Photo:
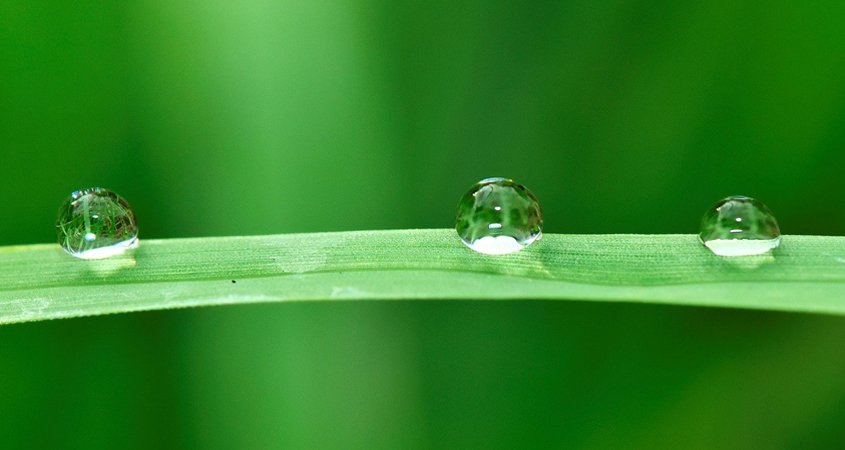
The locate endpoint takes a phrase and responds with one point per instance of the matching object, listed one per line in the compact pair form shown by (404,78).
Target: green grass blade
(39,282)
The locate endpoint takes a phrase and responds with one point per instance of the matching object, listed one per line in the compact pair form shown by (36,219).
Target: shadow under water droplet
(111,266)
(749,262)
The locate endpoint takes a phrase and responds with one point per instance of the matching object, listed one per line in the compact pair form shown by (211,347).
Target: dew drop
(739,226)
(498,216)
(96,223)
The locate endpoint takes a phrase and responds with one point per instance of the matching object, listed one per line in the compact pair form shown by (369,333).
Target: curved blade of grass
(806,274)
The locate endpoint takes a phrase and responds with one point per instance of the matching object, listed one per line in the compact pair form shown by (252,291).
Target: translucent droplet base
(742,247)
(96,223)
(740,226)
(498,216)
(496,245)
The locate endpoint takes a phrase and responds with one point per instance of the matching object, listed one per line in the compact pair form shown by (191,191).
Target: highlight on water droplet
(739,226)
(498,216)
(96,223)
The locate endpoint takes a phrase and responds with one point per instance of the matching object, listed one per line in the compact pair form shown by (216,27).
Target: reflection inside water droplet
(740,226)
(497,216)
(96,223)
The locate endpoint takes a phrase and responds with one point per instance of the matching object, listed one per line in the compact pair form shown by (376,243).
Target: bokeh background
(256,117)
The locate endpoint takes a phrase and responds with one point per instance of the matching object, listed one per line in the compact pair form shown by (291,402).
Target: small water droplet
(96,223)
(739,226)
(498,216)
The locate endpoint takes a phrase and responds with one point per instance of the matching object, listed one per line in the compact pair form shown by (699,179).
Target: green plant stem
(39,282)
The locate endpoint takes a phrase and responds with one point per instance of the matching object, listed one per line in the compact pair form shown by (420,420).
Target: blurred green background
(258,117)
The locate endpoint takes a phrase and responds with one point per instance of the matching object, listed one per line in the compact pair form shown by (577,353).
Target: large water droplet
(739,226)
(498,216)
(96,223)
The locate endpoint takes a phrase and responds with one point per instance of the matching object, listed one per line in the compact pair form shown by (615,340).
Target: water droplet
(739,226)
(96,223)
(498,216)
